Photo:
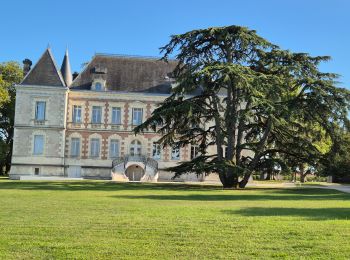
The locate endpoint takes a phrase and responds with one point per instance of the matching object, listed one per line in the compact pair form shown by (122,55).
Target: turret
(65,69)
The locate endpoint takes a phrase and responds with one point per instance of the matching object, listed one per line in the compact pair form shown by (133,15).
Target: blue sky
(318,27)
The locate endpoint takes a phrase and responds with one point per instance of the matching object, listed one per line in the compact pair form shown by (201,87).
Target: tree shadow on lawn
(310,213)
(246,195)
(198,195)
(88,185)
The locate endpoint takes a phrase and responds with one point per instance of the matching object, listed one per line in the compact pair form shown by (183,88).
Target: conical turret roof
(65,69)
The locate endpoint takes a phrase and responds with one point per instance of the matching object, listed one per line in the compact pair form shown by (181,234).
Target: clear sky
(319,27)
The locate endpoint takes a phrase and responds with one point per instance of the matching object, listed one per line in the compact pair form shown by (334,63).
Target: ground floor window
(135,148)
(175,153)
(95,147)
(194,151)
(114,149)
(75,147)
(38,144)
(156,151)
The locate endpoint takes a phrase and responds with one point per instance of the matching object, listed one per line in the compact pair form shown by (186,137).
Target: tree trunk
(228,180)
(245,180)
(302,173)
(268,175)
(262,175)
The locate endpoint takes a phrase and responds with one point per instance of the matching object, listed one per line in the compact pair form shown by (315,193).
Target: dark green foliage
(10,74)
(261,102)
(337,160)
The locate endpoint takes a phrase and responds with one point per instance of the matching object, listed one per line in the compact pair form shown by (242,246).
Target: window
(40,110)
(175,153)
(136,116)
(116,116)
(38,144)
(98,86)
(135,148)
(36,171)
(194,151)
(76,114)
(156,151)
(75,147)
(95,147)
(96,115)
(114,149)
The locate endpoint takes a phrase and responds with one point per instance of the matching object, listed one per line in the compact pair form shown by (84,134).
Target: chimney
(27,63)
(75,74)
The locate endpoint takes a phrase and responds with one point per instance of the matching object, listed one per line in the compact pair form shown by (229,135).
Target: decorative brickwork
(148,111)
(126,116)
(86,119)
(106,114)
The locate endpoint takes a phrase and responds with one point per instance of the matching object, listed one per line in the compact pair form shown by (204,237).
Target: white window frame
(116,116)
(175,153)
(96,115)
(75,147)
(194,151)
(40,114)
(37,148)
(94,147)
(114,148)
(156,151)
(76,114)
(137,114)
(135,148)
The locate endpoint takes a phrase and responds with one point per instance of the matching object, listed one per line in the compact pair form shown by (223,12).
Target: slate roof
(127,73)
(45,72)
(65,69)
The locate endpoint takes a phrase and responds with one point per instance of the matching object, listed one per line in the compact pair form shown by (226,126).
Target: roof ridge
(56,67)
(28,76)
(132,56)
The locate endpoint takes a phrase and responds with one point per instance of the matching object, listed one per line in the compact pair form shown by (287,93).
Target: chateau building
(81,125)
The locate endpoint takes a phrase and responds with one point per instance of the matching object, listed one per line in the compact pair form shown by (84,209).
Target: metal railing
(147,162)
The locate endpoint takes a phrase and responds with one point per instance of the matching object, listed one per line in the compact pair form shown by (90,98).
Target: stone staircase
(121,164)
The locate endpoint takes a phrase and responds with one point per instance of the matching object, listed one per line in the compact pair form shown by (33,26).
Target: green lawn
(91,219)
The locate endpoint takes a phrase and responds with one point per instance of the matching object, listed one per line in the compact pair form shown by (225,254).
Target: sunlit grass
(90,219)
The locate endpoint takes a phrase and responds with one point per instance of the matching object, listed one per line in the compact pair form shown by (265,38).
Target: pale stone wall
(23,145)
(28,169)
(96,173)
(55,98)
(51,162)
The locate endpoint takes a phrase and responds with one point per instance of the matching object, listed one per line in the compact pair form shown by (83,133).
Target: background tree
(337,159)
(10,74)
(253,98)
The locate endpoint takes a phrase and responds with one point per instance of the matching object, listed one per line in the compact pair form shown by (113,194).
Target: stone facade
(53,128)
(76,136)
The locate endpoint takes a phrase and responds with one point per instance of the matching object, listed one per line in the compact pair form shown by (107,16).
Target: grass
(95,219)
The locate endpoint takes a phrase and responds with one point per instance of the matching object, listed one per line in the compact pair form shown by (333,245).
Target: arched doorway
(134,172)
(135,148)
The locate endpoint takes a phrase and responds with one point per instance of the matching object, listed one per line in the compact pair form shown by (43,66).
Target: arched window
(114,148)
(98,86)
(135,148)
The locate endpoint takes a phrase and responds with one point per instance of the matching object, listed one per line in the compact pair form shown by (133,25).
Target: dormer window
(98,86)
